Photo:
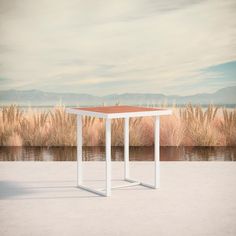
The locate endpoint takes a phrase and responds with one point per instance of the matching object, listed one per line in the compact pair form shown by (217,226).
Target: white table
(113,112)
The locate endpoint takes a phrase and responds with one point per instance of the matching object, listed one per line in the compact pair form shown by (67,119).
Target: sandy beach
(195,198)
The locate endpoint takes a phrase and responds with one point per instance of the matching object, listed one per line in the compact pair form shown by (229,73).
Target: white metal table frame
(108,117)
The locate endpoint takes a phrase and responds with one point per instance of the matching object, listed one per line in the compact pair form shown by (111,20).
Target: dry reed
(188,126)
(199,125)
(228,127)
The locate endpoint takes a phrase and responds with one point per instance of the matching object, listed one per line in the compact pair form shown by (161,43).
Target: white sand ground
(40,198)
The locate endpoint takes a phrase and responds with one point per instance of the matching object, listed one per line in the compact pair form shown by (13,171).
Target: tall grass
(34,129)
(62,127)
(199,125)
(188,126)
(10,126)
(228,127)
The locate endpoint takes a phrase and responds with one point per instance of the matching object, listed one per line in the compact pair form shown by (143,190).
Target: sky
(128,46)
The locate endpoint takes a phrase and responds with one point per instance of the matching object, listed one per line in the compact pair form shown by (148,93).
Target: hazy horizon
(103,95)
(225,96)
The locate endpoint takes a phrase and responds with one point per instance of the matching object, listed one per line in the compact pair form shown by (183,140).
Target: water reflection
(136,153)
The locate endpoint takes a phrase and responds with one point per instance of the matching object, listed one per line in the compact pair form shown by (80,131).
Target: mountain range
(40,98)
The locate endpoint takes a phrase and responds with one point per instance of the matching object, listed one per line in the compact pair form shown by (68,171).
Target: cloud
(104,47)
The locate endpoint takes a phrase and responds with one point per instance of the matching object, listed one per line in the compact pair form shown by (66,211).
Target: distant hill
(40,98)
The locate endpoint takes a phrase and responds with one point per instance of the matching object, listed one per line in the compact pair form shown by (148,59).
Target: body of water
(136,153)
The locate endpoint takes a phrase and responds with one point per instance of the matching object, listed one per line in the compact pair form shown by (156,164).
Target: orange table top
(117,109)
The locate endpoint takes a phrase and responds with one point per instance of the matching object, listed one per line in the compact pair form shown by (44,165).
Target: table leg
(108,157)
(126,148)
(79,149)
(157,151)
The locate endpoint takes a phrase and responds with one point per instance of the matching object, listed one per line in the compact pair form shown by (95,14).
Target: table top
(118,111)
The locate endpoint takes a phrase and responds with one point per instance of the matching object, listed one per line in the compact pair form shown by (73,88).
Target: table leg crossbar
(141,183)
(102,191)
(123,185)
(91,190)
(107,190)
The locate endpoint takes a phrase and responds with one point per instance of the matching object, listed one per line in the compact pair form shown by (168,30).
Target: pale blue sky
(103,47)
